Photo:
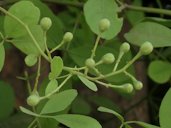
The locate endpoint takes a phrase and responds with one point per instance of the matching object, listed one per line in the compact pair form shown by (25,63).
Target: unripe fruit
(90,63)
(125,47)
(33,100)
(67,37)
(128,88)
(138,85)
(146,48)
(30,60)
(45,23)
(108,58)
(104,25)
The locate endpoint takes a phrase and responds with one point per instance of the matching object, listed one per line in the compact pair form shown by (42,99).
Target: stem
(148,9)
(57,47)
(95,47)
(118,60)
(28,31)
(38,75)
(57,89)
(31,124)
(46,47)
(28,82)
(130,76)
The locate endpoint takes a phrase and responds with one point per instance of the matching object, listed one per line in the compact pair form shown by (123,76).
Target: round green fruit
(45,23)
(68,37)
(125,47)
(108,58)
(33,100)
(30,60)
(104,25)
(90,63)
(146,48)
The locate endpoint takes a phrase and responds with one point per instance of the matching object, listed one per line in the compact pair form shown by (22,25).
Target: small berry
(30,60)
(108,58)
(125,47)
(90,63)
(104,25)
(33,100)
(138,85)
(146,48)
(67,37)
(128,88)
(46,23)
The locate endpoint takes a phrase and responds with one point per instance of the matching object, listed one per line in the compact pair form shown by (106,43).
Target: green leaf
(52,85)
(144,125)
(55,33)
(7,100)
(2,56)
(26,12)
(146,31)
(56,67)
(95,10)
(29,112)
(26,44)
(159,71)
(107,110)
(165,111)
(88,83)
(77,121)
(80,106)
(59,102)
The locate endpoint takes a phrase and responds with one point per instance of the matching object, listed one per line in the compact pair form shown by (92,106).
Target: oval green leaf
(52,85)
(165,111)
(2,56)
(56,67)
(59,102)
(95,10)
(88,83)
(30,15)
(159,71)
(155,33)
(77,121)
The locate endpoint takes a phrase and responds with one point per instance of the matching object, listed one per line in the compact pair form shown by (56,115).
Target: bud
(90,63)
(108,58)
(33,100)
(125,47)
(128,87)
(138,85)
(146,48)
(67,37)
(45,23)
(104,25)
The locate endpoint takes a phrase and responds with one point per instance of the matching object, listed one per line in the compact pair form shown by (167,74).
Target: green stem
(28,31)
(46,47)
(130,76)
(38,75)
(148,9)
(31,124)
(57,89)
(57,47)
(28,82)
(118,60)
(95,47)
